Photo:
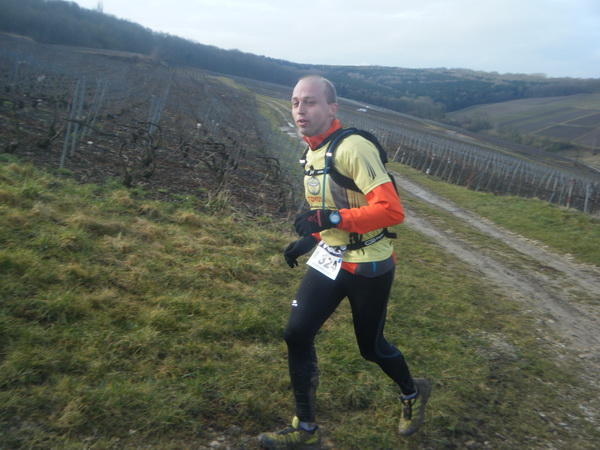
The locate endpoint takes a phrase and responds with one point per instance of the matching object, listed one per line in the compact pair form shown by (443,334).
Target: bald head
(328,87)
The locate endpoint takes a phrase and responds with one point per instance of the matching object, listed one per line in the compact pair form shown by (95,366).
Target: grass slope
(132,323)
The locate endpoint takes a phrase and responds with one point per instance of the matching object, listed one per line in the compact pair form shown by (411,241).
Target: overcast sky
(554,37)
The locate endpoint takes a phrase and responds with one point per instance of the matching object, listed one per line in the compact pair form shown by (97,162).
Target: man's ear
(333,109)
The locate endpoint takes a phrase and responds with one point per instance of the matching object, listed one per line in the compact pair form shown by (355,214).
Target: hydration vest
(346,182)
(333,140)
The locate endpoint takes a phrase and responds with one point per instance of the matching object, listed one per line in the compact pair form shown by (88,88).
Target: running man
(354,258)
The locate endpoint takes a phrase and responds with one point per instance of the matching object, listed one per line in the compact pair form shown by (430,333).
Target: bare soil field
(103,116)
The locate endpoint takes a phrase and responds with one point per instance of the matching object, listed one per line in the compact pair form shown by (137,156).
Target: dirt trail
(563,295)
(563,291)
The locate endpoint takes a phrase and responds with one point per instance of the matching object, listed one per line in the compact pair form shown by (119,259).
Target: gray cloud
(556,37)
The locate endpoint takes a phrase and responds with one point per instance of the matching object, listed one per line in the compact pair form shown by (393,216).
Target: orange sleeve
(383,210)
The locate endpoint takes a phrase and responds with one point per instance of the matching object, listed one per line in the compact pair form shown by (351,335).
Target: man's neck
(314,141)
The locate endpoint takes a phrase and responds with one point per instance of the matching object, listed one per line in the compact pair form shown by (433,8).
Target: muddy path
(564,295)
(565,292)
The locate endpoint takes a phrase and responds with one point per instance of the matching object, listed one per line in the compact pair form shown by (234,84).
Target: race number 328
(327,260)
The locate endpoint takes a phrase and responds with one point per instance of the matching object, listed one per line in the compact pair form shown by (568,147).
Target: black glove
(316,220)
(297,249)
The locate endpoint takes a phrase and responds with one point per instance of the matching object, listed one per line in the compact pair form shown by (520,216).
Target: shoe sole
(272,446)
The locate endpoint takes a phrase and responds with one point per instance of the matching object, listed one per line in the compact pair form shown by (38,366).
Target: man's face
(312,114)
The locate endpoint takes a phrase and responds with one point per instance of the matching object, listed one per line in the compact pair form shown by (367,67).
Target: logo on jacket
(313,185)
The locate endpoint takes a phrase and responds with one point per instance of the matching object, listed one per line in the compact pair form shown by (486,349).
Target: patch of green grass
(133,323)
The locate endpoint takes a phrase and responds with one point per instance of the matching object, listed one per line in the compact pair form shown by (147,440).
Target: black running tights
(316,299)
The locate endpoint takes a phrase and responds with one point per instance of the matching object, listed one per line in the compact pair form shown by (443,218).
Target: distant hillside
(422,92)
(570,120)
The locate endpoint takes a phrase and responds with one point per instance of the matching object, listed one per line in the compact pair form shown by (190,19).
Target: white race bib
(327,260)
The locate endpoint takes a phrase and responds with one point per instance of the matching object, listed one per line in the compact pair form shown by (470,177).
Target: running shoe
(292,437)
(413,408)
